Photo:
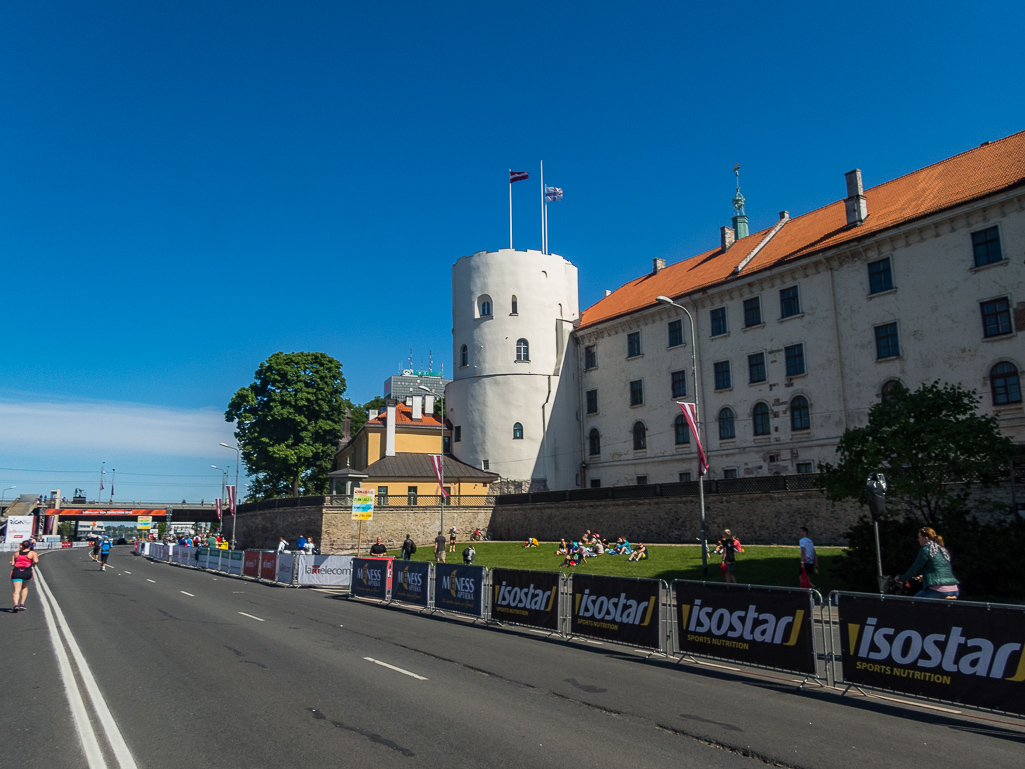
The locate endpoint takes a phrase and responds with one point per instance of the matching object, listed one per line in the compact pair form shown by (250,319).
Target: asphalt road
(199,669)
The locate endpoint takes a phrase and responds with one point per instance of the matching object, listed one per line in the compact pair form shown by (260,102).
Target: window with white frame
(522,350)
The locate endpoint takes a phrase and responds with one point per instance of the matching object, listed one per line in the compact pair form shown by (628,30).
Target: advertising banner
(251,563)
(525,597)
(201,556)
(363,504)
(286,562)
(950,650)
(145,523)
(269,566)
(459,588)
(410,582)
(325,570)
(236,562)
(19,527)
(617,609)
(371,577)
(757,625)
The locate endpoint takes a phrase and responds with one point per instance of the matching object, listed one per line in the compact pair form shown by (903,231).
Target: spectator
(531,542)
(282,545)
(809,560)
(310,546)
(300,544)
(640,554)
(728,546)
(563,548)
(452,539)
(469,553)
(378,548)
(439,548)
(408,548)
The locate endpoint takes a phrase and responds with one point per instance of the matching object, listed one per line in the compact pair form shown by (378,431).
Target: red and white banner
(436,460)
(690,413)
(231,498)
(217,507)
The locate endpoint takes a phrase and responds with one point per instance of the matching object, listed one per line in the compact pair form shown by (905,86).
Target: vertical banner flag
(690,413)
(436,464)
(231,498)
(217,507)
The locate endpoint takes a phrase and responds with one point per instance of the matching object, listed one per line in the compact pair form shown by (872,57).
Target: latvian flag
(690,413)
(217,506)
(436,465)
(518,176)
(231,498)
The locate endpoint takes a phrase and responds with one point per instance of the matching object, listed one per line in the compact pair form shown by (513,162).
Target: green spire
(739,217)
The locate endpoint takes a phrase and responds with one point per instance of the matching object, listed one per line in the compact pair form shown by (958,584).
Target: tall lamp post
(441,456)
(697,424)
(234,514)
(4,494)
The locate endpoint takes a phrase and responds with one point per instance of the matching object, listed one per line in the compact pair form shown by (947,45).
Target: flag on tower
(690,413)
(518,176)
(553,193)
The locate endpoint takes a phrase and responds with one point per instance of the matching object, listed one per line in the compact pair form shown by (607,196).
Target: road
(199,669)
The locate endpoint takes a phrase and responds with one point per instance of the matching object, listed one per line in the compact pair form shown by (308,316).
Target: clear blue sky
(189,186)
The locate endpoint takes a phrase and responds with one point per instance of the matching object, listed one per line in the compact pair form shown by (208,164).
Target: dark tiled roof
(407,465)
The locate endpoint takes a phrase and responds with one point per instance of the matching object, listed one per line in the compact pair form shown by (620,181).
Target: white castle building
(800,328)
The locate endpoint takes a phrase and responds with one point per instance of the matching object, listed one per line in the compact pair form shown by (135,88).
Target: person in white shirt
(282,545)
(809,560)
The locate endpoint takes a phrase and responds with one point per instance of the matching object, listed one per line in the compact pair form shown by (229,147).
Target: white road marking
(128,572)
(252,617)
(190,595)
(115,739)
(151,580)
(397,670)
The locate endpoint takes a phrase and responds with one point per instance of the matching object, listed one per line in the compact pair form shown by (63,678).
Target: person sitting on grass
(599,547)
(531,542)
(576,556)
(563,548)
(640,554)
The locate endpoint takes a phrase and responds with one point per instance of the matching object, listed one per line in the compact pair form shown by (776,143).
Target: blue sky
(190,186)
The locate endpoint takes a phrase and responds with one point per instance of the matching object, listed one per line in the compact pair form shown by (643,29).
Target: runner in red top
(22,564)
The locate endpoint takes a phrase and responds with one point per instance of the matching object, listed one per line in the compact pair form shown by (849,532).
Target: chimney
(607,292)
(389,440)
(657,265)
(371,414)
(428,404)
(855,202)
(418,408)
(727,237)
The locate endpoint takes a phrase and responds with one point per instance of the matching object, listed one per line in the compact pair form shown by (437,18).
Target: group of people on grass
(303,544)
(592,545)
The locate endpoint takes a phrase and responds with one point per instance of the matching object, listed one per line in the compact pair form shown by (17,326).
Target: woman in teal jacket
(933,564)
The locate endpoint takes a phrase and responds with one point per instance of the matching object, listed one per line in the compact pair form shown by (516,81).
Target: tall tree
(932,444)
(288,422)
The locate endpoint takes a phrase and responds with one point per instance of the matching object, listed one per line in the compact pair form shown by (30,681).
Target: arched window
(800,414)
(464,356)
(640,436)
(484,305)
(727,427)
(517,432)
(1005,383)
(594,442)
(760,419)
(887,390)
(681,430)
(522,349)
(515,305)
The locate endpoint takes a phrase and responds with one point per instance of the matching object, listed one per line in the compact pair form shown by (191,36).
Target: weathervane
(738,199)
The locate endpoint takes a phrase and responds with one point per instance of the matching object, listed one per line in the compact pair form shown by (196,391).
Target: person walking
(728,546)
(104,553)
(933,564)
(408,548)
(439,548)
(809,559)
(96,548)
(22,563)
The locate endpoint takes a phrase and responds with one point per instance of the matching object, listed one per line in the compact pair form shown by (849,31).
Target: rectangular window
(996,317)
(596,483)
(592,401)
(805,467)
(642,480)
(633,344)
(723,380)
(675,333)
(752,312)
(446,444)
(887,343)
(485,464)
(684,477)
(986,246)
(591,356)
(794,359)
(729,472)
(756,368)
(457,433)
(382,495)
(789,302)
(718,319)
(637,393)
(880,278)
(679,382)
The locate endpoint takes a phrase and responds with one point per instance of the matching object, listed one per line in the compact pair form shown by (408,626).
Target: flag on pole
(436,465)
(101,481)
(553,193)
(217,507)
(690,413)
(518,176)
(231,498)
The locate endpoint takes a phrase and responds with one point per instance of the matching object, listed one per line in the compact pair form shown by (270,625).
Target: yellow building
(392,454)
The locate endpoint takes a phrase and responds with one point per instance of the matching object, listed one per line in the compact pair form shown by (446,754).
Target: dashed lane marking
(251,616)
(397,670)
(190,595)
(151,580)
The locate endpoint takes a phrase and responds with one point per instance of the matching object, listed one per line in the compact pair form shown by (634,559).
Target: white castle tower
(512,401)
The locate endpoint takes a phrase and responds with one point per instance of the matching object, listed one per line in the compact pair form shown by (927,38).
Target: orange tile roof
(982,171)
(404,416)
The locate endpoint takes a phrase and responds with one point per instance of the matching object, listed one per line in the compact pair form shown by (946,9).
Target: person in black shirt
(408,548)
(378,548)
(439,548)
(729,547)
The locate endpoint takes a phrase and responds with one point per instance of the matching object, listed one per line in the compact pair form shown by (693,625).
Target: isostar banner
(325,570)
(269,566)
(526,597)
(410,582)
(286,562)
(459,588)
(617,609)
(371,577)
(756,625)
(949,650)
(251,563)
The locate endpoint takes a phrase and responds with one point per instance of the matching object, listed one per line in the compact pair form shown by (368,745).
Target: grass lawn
(758,564)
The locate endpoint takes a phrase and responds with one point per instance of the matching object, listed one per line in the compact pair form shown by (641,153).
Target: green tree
(288,422)
(931,443)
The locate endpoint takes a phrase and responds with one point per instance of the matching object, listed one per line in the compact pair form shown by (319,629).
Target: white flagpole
(510,209)
(543,207)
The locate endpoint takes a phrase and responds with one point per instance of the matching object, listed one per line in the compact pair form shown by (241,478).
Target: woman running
(22,563)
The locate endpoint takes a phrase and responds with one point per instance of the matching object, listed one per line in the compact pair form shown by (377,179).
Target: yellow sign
(363,504)
(145,523)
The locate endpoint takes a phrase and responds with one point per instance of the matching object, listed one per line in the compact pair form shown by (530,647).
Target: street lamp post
(4,494)
(441,464)
(697,424)
(234,514)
